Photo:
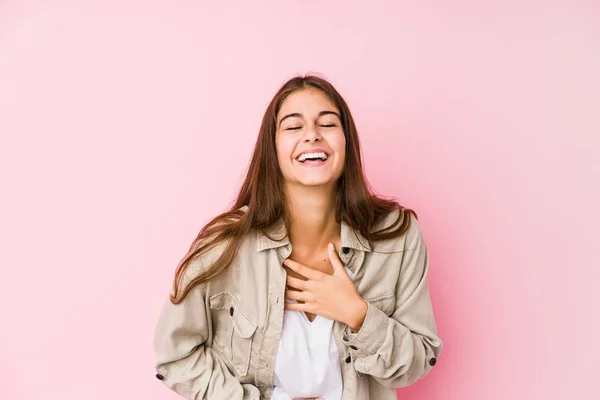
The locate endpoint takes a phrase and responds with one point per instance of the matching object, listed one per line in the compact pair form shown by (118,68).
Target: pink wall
(126,125)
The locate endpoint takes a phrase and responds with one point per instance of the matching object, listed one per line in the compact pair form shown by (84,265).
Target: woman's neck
(312,217)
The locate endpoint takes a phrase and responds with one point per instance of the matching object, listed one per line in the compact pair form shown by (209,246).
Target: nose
(311,134)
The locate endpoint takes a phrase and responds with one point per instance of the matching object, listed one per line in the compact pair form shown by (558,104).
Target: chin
(316,182)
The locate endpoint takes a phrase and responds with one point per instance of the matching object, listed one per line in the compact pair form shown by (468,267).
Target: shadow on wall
(445,248)
(10,388)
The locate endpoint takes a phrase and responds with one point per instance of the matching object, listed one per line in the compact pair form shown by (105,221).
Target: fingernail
(331,248)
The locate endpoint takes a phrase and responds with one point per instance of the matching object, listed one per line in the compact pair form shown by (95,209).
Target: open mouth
(318,157)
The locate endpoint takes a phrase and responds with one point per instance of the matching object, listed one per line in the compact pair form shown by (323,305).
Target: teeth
(320,155)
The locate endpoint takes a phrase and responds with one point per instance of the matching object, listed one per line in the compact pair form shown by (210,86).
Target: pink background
(126,125)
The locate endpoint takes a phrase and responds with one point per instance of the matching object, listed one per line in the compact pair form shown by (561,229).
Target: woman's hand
(331,296)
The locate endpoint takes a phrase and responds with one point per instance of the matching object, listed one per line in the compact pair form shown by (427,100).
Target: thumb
(338,266)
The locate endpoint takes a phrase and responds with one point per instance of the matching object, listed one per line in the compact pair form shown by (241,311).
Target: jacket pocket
(232,331)
(386,303)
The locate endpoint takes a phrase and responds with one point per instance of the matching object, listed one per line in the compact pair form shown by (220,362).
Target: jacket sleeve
(184,363)
(402,348)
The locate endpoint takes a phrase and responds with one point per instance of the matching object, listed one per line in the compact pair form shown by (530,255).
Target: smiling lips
(315,157)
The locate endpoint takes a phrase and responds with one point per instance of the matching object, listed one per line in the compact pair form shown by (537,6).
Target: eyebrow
(298,115)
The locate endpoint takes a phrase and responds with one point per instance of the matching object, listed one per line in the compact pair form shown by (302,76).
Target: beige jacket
(221,341)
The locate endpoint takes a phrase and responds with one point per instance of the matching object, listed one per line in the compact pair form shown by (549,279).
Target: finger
(295,295)
(296,283)
(338,266)
(295,307)
(302,270)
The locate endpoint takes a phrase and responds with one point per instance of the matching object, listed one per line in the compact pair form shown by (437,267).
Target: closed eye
(295,128)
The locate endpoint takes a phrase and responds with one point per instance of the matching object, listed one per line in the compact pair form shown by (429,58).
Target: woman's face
(310,141)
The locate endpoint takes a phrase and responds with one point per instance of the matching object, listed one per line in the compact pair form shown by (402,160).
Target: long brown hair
(262,192)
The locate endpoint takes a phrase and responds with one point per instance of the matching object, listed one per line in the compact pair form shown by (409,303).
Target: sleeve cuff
(371,335)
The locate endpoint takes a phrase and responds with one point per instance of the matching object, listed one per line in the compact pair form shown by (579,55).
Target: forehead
(306,101)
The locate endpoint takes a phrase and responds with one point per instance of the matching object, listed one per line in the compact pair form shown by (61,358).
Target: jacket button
(159,377)
(432,361)
(348,359)
(345,250)
(231,311)
(353,347)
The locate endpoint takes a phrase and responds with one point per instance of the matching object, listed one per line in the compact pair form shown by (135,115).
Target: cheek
(339,145)
(284,148)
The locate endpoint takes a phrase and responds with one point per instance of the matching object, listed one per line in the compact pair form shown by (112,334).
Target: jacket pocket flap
(222,301)
(243,325)
(386,303)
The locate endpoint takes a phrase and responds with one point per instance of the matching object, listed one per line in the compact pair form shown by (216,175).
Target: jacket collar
(349,237)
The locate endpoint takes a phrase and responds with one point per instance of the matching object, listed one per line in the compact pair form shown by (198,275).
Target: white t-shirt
(307,363)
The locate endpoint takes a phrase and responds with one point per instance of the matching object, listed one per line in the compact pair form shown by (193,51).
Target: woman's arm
(400,349)
(183,363)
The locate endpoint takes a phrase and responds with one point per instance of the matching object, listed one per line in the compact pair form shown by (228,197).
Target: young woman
(310,286)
